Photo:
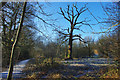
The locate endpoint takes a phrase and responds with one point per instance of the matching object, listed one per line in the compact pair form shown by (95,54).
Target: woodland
(22,39)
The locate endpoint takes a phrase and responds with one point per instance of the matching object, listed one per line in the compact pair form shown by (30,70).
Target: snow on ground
(17,70)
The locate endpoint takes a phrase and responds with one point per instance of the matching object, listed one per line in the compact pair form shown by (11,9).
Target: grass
(54,69)
(111,72)
(106,72)
(38,68)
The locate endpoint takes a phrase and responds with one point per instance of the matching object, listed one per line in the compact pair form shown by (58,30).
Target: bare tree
(9,77)
(72,14)
(111,22)
(113,19)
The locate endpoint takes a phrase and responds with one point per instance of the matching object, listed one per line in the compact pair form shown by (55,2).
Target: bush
(50,63)
(43,63)
(40,66)
(111,72)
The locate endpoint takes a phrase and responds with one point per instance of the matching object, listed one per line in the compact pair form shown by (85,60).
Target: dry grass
(55,75)
(52,71)
(111,73)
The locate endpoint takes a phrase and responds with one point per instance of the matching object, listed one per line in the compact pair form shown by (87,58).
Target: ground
(77,68)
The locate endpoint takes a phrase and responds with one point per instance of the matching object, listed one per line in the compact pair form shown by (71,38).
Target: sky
(54,7)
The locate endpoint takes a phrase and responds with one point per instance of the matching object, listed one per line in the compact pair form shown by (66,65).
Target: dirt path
(17,70)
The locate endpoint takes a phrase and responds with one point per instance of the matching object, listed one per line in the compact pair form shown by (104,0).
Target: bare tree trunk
(70,45)
(65,50)
(89,49)
(9,77)
(118,55)
(118,40)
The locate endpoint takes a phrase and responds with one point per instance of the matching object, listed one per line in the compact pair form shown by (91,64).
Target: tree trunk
(9,77)
(65,50)
(70,49)
(70,45)
(118,57)
(89,49)
(118,41)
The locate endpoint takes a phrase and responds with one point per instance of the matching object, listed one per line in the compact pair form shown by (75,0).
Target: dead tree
(72,15)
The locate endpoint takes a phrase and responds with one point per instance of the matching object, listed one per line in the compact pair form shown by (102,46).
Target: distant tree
(90,45)
(61,46)
(108,45)
(72,15)
(75,50)
(80,50)
(113,22)
(103,44)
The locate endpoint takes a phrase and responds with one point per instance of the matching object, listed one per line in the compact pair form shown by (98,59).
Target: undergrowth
(41,66)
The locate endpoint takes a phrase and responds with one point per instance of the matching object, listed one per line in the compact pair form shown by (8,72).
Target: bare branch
(85,23)
(75,39)
(80,38)
(107,29)
(72,15)
(64,15)
(68,12)
(43,11)
(61,32)
(76,28)
(76,9)
(78,14)
(79,22)
(39,18)
(63,41)
(6,11)
(37,30)
(93,15)
(104,9)
(3,3)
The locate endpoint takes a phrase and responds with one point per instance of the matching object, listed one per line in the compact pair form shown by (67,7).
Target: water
(17,70)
